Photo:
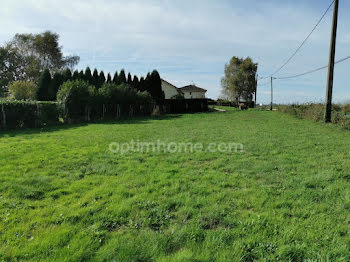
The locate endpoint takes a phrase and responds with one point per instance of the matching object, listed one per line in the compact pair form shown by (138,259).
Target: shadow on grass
(121,121)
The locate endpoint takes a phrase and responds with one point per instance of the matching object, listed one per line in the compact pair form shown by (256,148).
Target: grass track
(64,196)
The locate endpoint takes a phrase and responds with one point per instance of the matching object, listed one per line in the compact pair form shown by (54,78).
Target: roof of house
(177,89)
(192,88)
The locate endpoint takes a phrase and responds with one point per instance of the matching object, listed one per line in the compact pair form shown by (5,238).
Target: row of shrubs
(316,112)
(28,114)
(78,101)
(84,102)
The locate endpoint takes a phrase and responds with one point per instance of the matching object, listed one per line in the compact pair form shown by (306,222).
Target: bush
(28,114)
(117,99)
(316,112)
(22,90)
(75,97)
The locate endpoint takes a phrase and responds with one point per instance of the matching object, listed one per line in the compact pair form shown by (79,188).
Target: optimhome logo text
(173,147)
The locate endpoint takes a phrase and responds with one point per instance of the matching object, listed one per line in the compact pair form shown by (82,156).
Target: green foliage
(122,77)
(154,86)
(129,81)
(11,66)
(22,90)
(75,75)
(67,75)
(178,96)
(28,114)
(65,197)
(43,90)
(75,96)
(95,78)
(81,76)
(101,79)
(239,80)
(39,52)
(109,78)
(316,112)
(116,79)
(57,80)
(87,76)
(135,83)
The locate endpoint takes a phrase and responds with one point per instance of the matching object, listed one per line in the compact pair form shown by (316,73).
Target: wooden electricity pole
(256,89)
(271,106)
(328,114)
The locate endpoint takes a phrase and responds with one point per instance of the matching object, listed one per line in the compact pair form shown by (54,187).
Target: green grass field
(65,197)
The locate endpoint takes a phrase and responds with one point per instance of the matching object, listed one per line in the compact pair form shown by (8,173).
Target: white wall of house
(168,90)
(193,95)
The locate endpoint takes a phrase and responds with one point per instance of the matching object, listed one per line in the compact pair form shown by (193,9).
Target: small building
(193,92)
(170,91)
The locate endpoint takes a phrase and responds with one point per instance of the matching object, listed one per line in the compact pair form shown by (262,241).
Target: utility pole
(271,106)
(256,89)
(328,113)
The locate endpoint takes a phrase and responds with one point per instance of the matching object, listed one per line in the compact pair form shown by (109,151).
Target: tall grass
(315,112)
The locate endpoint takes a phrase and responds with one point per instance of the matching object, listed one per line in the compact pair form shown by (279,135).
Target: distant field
(65,196)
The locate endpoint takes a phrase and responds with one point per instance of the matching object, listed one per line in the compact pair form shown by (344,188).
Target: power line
(312,71)
(303,43)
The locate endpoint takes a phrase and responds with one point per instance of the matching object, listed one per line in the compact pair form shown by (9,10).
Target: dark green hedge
(178,106)
(28,114)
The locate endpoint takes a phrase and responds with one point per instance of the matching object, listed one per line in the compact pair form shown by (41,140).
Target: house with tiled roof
(187,92)
(170,91)
(193,92)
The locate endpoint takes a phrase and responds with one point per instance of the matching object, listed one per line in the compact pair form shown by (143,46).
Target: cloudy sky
(189,41)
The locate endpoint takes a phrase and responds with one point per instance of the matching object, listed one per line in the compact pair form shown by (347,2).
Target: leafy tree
(95,78)
(87,76)
(101,79)
(22,90)
(42,92)
(109,78)
(12,66)
(239,80)
(57,80)
(116,78)
(41,51)
(122,77)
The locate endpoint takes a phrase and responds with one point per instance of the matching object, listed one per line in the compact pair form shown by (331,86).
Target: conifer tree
(116,78)
(95,78)
(129,81)
(87,75)
(122,77)
(135,83)
(101,79)
(81,75)
(109,78)
(67,75)
(75,75)
(155,86)
(42,92)
(57,80)
(142,84)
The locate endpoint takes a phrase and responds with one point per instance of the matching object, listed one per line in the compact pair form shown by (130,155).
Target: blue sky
(190,41)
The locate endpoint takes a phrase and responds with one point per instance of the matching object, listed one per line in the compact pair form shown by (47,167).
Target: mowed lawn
(65,197)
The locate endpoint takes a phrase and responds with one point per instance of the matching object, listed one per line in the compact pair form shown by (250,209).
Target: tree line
(48,85)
